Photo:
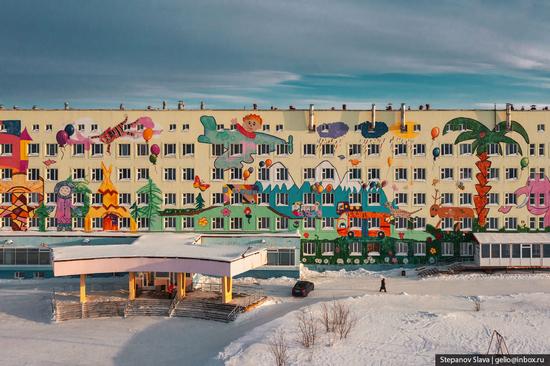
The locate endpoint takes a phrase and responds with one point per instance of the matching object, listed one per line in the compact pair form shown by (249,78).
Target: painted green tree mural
(199,204)
(81,187)
(152,208)
(481,137)
(42,212)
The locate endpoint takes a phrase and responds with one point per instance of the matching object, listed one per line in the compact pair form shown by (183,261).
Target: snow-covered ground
(416,318)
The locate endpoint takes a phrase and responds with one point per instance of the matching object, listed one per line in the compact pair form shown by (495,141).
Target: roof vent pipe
(202,105)
(180,105)
(403,125)
(508,116)
(373,117)
(311,122)
(66,106)
(163,105)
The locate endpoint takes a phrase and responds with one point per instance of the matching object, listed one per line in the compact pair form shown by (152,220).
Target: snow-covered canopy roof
(513,238)
(158,253)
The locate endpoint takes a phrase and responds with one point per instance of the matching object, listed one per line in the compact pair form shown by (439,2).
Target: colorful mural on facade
(328,207)
(244,139)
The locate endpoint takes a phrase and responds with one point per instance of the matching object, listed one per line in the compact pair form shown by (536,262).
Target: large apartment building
(360,186)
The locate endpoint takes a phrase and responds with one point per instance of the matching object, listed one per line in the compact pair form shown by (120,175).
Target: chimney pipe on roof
(163,105)
(508,116)
(66,106)
(344,107)
(121,107)
(180,105)
(202,105)
(311,121)
(254,106)
(373,117)
(403,124)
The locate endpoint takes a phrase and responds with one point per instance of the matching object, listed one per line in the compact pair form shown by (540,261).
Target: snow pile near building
(407,330)
(360,272)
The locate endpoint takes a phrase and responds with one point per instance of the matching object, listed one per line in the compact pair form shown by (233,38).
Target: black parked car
(302,288)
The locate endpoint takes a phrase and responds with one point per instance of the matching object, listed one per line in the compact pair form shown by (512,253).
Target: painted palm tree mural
(482,137)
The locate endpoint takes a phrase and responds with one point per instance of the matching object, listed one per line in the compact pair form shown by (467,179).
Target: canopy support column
(82,288)
(181,285)
(227,289)
(131,285)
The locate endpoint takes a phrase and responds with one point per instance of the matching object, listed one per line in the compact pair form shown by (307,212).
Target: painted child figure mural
(244,135)
(64,205)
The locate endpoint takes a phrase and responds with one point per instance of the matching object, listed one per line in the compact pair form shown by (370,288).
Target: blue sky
(99,53)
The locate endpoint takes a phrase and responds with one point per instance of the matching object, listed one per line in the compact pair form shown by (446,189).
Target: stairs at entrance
(206,310)
(148,307)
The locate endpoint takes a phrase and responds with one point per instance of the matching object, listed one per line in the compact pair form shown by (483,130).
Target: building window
(217,198)
(6,174)
(79,174)
(170,174)
(466,249)
(33,174)
(51,149)
(236,198)
(143,223)
(187,174)
(263,174)
(354,149)
(466,173)
(142,173)
(6,149)
(493,149)
(419,149)
(419,199)
(188,223)
(541,149)
(217,149)
(373,149)
(263,223)
(327,174)
(97,198)
(447,173)
(400,149)
(446,149)
(236,223)
(419,249)
(236,149)
(419,223)
(282,174)
(124,174)
(278,127)
(217,174)
(355,248)
(309,248)
(355,198)
(97,175)
(309,223)
(373,198)
(512,149)
(465,198)
(188,149)
(447,199)
(33,149)
(282,149)
(236,174)
(510,199)
(328,150)
(354,173)
(493,174)
(510,223)
(169,223)
(309,198)
(143,198)
(327,223)
(373,173)
(310,149)
(401,199)
(400,174)
(97,223)
(281,257)
(511,173)
(124,199)
(447,223)
(143,150)
(263,149)
(327,199)
(78,149)
(419,174)
(217,223)
(465,149)
(492,223)
(541,127)
(281,199)
(187,199)
(327,248)
(265,127)
(263,199)
(169,199)
(124,150)
(169,150)
(401,223)
(282,223)
(447,249)
(401,248)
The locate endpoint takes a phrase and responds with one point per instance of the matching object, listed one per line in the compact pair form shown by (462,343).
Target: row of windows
(281,174)
(309,149)
(526,251)
(24,256)
(373,249)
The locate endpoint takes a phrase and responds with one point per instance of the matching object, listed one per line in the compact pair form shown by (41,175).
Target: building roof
(513,238)
(158,253)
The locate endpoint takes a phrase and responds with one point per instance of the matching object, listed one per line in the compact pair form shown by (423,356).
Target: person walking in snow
(383,285)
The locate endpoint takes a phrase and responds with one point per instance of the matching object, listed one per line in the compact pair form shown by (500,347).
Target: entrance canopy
(158,253)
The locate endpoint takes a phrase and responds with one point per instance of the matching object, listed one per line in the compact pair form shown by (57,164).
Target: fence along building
(360,186)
